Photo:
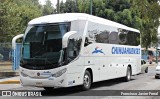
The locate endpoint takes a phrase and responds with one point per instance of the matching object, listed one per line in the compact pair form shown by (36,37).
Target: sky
(54,2)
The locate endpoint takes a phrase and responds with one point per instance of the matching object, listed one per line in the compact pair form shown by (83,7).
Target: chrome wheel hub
(86,80)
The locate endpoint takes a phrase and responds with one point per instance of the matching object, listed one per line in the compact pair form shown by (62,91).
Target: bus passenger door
(92,61)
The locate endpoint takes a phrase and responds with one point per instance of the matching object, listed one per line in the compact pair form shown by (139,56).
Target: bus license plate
(39,84)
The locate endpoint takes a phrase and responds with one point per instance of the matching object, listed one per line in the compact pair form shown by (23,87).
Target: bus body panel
(111,65)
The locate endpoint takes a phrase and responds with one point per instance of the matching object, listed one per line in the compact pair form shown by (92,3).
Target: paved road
(144,81)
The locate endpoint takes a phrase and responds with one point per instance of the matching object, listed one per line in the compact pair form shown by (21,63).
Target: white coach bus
(64,50)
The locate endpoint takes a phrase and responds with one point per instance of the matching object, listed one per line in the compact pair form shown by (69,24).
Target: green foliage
(149,12)
(14,16)
(48,8)
(140,14)
(69,6)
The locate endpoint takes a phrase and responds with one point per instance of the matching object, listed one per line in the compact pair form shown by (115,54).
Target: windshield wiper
(60,62)
(44,37)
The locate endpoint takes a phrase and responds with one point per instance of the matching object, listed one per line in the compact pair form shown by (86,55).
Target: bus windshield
(42,45)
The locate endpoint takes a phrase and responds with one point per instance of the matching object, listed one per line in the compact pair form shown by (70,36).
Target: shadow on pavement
(77,91)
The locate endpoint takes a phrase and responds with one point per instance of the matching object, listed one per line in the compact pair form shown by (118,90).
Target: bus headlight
(23,74)
(59,73)
(157,69)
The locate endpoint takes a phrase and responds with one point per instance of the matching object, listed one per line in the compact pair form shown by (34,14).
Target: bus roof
(68,17)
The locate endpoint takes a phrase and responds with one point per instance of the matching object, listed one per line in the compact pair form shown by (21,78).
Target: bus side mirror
(16,52)
(66,38)
(15,39)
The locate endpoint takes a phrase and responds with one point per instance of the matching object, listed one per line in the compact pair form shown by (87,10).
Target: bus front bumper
(45,82)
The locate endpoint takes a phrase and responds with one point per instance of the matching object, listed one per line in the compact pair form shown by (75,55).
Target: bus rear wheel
(86,80)
(128,75)
(146,70)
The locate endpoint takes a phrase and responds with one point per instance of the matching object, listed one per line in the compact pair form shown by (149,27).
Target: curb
(10,82)
(8,74)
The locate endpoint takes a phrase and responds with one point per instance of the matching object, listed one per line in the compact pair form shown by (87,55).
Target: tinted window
(133,38)
(103,37)
(123,37)
(137,38)
(100,33)
(42,45)
(113,38)
(141,62)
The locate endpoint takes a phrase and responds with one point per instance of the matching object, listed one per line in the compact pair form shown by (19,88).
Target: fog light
(60,82)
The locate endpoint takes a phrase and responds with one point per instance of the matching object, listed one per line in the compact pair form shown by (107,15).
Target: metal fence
(5,52)
(5,59)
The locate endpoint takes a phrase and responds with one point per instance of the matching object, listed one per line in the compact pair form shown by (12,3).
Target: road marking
(10,82)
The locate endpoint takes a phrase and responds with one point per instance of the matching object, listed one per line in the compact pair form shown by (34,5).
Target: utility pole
(58,10)
(77,5)
(91,7)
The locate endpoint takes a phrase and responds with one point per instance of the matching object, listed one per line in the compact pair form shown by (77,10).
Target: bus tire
(48,89)
(128,74)
(156,77)
(87,81)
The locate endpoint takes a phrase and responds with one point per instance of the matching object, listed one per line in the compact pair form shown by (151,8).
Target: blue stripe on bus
(125,50)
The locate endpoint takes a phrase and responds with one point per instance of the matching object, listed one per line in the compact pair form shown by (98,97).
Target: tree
(15,14)
(48,8)
(140,14)
(62,7)
(69,6)
(149,12)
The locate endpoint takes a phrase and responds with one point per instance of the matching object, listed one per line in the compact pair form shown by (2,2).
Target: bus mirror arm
(15,39)
(66,38)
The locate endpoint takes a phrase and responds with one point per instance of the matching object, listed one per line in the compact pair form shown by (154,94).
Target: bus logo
(97,51)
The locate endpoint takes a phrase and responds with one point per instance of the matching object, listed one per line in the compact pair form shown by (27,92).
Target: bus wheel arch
(87,79)
(90,70)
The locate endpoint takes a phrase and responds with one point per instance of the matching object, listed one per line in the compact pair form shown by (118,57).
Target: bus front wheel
(86,80)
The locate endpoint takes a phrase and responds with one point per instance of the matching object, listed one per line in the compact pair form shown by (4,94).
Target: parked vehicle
(157,71)
(144,66)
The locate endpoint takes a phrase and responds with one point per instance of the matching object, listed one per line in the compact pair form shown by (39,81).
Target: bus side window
(131,38)
(137,38)
(71,44)
(86,42)
(102,37)
(113,38)
(74,46)
(122,37)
